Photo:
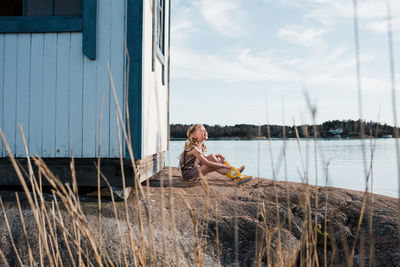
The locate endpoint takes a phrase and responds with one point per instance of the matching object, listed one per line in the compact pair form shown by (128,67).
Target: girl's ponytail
(187,144)
(191,139)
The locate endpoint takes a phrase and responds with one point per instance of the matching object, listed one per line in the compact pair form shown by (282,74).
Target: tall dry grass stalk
(84,247)
(217,236)
(10,233)
(394,103)
(138,187)
(277,206)
(62,221)
(98,172)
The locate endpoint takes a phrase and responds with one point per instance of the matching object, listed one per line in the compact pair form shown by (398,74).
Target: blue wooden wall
(49,87)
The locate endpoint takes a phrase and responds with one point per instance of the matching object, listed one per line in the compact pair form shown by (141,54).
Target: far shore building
(53,79)
(336,133)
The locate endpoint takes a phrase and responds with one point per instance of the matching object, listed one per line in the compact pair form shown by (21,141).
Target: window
(40,8)
(67,7)
(17,16)
(11,8)
(159,34)
(160,28)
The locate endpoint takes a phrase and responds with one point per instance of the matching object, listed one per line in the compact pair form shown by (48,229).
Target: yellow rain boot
(240,169)
(235,175)
(244,179)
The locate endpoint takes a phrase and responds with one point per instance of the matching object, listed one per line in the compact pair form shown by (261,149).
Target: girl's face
(201,134)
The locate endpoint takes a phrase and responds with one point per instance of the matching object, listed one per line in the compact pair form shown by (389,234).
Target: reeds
(66,238)
(394,103)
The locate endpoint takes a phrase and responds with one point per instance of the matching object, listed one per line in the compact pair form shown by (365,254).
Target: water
(345,158)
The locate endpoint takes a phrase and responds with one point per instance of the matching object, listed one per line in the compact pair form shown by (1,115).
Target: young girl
(192,160)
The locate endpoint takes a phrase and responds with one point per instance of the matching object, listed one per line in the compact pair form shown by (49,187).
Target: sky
(253,61)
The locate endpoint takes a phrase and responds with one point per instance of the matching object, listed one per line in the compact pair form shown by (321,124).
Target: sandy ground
(219,221)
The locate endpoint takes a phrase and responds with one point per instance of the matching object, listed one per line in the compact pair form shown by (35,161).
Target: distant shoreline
(345,129)
(277,138)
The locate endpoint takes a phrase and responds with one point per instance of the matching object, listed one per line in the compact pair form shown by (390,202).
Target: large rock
(258,223)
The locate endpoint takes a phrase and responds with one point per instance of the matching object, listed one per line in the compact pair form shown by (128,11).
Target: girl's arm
(205,161)
(221,158)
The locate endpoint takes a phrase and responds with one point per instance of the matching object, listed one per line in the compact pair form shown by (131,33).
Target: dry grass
(85,246)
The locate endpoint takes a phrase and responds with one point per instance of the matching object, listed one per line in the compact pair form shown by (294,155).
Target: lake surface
(344,159)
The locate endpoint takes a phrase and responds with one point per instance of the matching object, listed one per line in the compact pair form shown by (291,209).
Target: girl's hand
(220,157)
(227,167)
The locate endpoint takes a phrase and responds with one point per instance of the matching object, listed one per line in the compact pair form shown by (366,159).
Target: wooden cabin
(53,77)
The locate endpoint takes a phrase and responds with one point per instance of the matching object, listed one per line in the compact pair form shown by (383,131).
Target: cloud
(327,65)
(240,65)
(381,26)
(345,82)
(336,53)
(306,36)
(224,16)
(183,26)
(335,71)
(331,12)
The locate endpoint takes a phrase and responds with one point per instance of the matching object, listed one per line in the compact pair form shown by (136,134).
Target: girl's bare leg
(213,158)
(205,169)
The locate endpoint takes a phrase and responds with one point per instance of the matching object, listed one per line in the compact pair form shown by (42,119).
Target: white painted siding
(118,70)
(34,113)
(23,101)
(10,89)
(155,95)
(49,87)
(49,96)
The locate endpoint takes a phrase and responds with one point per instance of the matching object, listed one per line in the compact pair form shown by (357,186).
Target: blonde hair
(192,141)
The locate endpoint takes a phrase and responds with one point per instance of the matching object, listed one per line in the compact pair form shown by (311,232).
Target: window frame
(160,53)
(85,23)
(40,24)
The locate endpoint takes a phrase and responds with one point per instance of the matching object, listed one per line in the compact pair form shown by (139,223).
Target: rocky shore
(220,223)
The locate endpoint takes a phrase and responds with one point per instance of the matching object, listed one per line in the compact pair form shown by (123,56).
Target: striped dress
(190,165)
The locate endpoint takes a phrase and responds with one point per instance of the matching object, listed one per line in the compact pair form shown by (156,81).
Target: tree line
(351,129)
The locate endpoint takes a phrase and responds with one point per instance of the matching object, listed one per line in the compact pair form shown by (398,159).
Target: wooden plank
(36,95)
(117,70)
(89,15)
(10,88)
(49,95)
(62,98)
(1,88)
(134,42)
(169,75)
(89,108)
(150,165)
(103,83)
(85,171)
(75,101)
(40,24)
(23,88)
